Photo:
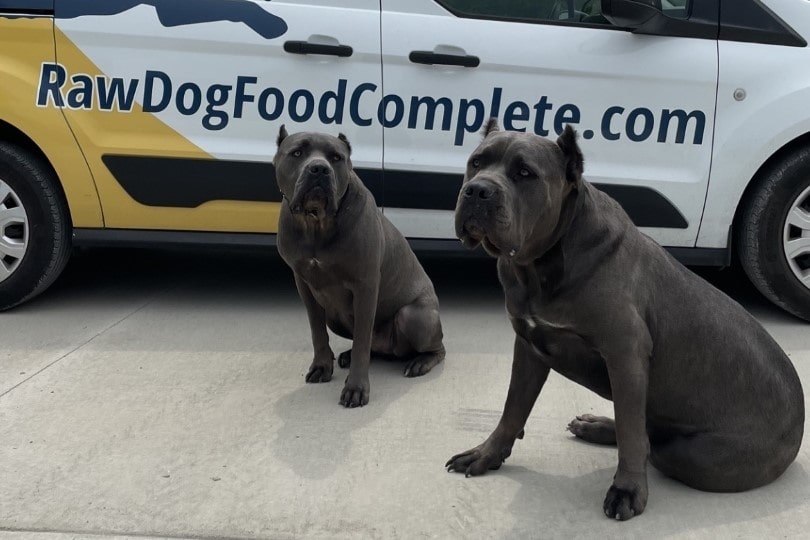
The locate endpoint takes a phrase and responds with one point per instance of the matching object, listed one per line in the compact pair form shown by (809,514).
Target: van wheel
(774,234)
(34,226)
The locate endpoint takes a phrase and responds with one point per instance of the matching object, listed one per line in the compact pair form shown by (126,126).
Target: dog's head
(313,171)
(514,190)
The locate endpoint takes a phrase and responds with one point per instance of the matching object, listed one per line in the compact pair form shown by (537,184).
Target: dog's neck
(590,239)
(581,235)
(540,269)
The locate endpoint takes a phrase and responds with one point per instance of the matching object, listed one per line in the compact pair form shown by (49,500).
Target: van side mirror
(647,17)
(631,14)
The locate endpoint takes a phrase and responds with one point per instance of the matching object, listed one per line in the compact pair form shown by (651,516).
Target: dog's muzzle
(314,188)
(475,210)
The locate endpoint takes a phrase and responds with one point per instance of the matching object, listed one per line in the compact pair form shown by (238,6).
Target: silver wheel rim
(13,231)
(796,239)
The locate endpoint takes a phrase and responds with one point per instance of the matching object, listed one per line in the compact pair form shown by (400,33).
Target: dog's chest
(548,337)
(317,271)
(525,297)
(546,324)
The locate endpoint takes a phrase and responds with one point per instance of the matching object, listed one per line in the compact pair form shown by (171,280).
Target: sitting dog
(354,270)
(698,386)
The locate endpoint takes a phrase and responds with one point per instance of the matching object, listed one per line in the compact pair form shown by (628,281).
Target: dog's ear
(282,134)
(345,139)
(490,127)
(572,155)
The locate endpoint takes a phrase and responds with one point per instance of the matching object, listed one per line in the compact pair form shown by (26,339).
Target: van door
(177,105)
(642,104)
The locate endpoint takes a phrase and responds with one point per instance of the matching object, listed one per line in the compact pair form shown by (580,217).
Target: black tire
(35,184)
(760,232)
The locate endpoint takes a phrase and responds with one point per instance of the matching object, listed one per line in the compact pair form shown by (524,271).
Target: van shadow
(316,435)
(569,507)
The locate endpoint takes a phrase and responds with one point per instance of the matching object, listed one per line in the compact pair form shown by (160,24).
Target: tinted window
(584,11)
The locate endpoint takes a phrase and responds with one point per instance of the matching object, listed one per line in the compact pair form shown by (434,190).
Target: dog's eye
(336,157)
(296,153)
(525,172)
(475,163)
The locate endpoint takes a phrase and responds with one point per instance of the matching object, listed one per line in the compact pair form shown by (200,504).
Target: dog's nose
(319,168)
(482,190)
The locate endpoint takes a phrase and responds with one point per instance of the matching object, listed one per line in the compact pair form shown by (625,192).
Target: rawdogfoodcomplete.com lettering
(219,104)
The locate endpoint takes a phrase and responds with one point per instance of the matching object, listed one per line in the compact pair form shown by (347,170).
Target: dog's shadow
(571,505)
(316,434)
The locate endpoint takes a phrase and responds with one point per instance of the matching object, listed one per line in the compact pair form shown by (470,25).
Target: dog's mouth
(480,222)
(312,203)
(474,235)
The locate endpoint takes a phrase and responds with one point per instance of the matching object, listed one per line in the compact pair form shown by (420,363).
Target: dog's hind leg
(422,363)
(594,429)
(345,359)
(721,462)
(418,337)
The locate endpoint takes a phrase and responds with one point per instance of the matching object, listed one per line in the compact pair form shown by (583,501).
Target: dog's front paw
(627,497)
(320,370)
(478,460)
(355,394)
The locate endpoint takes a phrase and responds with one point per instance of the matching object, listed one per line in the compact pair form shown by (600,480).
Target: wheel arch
(802,141)
(11,134)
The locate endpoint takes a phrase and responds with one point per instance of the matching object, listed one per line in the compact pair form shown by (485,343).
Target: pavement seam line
(110,327)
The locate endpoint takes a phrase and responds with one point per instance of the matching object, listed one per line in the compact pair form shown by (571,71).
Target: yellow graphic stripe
(25,43)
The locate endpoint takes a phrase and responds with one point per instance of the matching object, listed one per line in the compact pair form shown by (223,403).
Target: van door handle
(305,47)
(440,59)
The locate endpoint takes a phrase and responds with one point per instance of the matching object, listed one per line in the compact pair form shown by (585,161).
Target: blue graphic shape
(178,13)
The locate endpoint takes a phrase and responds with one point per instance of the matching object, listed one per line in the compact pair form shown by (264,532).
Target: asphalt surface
(153,393)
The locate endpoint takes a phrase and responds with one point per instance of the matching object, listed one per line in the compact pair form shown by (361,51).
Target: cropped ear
(343,138)
(282,134)
(572,155)
(490,127)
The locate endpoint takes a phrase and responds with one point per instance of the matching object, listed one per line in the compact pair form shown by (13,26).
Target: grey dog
(354,270)
(698,386)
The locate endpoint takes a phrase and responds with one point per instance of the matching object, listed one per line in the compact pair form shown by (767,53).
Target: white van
(144,122)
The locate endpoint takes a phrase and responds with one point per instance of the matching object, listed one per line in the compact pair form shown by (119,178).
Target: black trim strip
(89,238)
(645,206)
(433,191)
(702,256)
(188,183)
(152,238)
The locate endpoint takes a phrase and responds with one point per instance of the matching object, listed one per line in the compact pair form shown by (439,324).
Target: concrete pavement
(162,394)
